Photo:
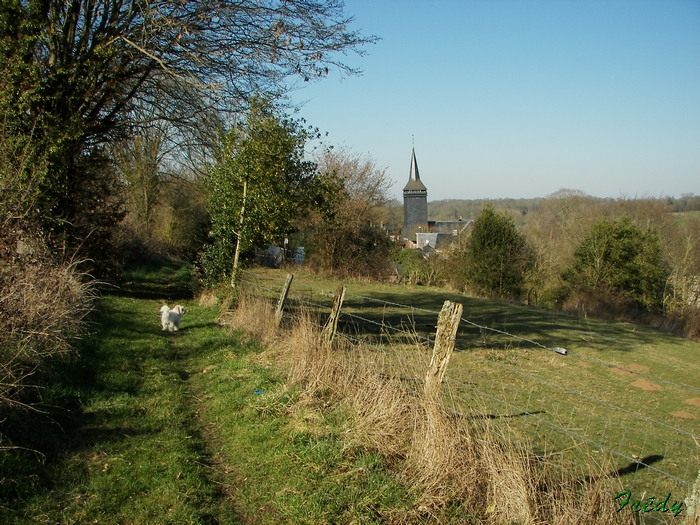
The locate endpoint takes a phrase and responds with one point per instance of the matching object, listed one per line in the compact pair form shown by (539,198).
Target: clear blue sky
(520,98)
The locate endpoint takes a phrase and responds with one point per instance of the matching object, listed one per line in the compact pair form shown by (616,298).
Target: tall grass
(463,469)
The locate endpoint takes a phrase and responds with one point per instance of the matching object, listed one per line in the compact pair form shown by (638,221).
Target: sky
(521,98)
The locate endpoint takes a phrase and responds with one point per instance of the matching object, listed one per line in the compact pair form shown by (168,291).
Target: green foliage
(259,185)
(415,268)
(496,258)
(619,258)
(76,76)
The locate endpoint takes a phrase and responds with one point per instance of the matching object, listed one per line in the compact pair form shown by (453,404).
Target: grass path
(193,427)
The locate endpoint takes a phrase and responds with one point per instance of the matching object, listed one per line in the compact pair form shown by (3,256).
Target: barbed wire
(473,356)
(462,386)
(385,326)
(508,334)
(580,394)
(633,372)
(569,432)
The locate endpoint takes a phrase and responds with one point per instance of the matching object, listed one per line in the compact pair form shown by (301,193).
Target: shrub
(619,261)
(43,305)
(495,258)
(416,269)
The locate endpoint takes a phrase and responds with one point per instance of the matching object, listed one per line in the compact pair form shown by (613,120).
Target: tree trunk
(239,234)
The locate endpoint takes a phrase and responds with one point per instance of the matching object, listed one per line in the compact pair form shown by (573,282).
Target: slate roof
(414,183)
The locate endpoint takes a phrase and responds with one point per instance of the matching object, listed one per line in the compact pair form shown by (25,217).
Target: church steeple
(414,182)
(415,201)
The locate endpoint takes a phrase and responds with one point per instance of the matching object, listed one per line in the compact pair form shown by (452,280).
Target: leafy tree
(617,259)
(74,73)
(496,258)
(260,183)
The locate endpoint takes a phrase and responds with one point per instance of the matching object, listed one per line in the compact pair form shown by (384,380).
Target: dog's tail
(164,308)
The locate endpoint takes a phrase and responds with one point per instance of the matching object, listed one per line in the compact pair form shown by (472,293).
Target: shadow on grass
(643,463)
(112,400)
(482,321)
(167,281)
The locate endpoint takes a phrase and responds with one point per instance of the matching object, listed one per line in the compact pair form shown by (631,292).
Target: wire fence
(529,389)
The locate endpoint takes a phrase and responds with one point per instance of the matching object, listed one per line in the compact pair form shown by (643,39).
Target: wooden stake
(329,330)
(448,322)
(282,299)
(692,502)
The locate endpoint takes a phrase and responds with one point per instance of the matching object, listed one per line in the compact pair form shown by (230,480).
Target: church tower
(415,203)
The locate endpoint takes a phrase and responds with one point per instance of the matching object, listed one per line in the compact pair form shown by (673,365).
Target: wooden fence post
(448,322)
(282,299)
(692,503)
(329,330)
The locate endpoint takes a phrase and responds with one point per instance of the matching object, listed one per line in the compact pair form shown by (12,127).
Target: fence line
(510,369)
(501,332)
(650,441)
(585,396)
(570,432)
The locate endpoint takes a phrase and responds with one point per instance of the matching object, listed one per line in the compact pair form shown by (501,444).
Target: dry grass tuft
(451,461)
(43,306)
(254,316)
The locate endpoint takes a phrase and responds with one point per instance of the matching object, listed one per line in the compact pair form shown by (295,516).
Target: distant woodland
(453,209)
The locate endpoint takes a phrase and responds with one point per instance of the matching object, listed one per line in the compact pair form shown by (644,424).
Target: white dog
(170,319)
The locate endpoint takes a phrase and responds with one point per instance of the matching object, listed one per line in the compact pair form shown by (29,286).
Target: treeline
(622,258)
(453,209)
(113,117)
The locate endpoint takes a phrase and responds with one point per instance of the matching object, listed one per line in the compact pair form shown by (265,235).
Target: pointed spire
(414,182)
(414,167)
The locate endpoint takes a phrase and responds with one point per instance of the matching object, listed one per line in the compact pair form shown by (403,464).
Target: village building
(422,233)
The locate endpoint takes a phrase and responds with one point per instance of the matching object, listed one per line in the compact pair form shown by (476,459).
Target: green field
(626,389)
(194,427)
(201,427)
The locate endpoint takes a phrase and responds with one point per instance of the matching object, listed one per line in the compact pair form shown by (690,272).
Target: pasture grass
(625,387)
(206,426)
(461,471)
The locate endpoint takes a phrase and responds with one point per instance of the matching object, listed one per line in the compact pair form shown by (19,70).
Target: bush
(416,269)
(348,246)
(495,258)
(43,305)
(619,262)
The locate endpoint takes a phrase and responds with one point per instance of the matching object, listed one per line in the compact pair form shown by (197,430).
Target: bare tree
(346,238)
(97,57)
(362,179)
